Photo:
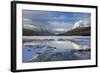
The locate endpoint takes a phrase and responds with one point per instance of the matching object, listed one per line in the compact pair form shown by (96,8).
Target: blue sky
(52,19)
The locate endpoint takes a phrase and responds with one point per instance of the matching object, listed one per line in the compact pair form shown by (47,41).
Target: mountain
(30,30)
(80,24)
(82,31)
(80,28)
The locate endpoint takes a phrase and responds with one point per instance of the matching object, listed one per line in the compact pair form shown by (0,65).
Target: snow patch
(80,24)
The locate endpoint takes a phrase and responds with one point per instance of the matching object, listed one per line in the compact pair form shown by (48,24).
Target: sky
(54,21)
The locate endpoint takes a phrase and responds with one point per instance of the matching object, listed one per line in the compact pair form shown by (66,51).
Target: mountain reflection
(40,50)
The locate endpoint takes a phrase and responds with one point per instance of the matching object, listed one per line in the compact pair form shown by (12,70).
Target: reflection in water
(56,50)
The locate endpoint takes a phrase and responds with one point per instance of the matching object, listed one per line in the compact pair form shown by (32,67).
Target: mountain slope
(82,31)
(27,32)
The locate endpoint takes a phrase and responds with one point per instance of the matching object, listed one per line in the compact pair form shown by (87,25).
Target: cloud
(38,18)
(55,21)
(29,27)
(26,21)
(58,27)
(81,16)
(58,24)
(57,18)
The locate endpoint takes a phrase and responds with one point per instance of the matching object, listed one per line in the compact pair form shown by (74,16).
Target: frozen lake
(59,49)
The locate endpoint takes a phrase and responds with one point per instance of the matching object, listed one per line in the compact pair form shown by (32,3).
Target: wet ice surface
(51,53)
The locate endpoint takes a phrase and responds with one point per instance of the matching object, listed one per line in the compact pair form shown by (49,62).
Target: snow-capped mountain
(30,27)
(80,24)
